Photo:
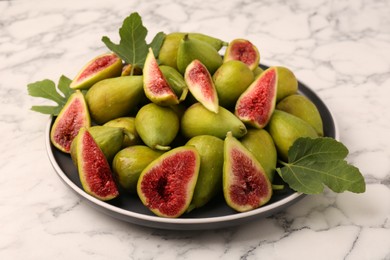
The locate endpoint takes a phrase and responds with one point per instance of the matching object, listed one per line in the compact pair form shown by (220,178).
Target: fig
(170,46)
(193,49)
(257,71)
(201,85)
(157,126)
(129,162)
(256,104)
(209,183)
(285,128)
(167,184)
(115,97)
(71,118)
(303,108)
(287,83)
(259,142)
(156,87)
(101,67)
(175,81)
(198,120)
(129,70)
(243,50)
(128,125)
(94,171)
(245,183)
(231,80)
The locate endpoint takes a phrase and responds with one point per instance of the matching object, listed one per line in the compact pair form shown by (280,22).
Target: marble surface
(341,49)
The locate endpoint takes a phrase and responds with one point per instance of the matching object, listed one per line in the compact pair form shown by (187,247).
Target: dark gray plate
(216,214)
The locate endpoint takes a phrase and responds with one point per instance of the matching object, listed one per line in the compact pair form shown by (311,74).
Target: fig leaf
(132,47)
(313,163)
(47,89)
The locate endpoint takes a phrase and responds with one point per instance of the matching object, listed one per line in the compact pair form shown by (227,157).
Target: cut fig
(167,184)
(245,183)
(156,87)
(102,67)
(72,117)
(201,85)
(256,105)
(94,170)
(243,50)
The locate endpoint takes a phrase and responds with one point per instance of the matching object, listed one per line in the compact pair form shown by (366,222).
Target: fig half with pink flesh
(256,105)
(245,183)
(102,67)
(94,170)
(71,118)
(243,50)
(156,87)
(167,184)
(201,85)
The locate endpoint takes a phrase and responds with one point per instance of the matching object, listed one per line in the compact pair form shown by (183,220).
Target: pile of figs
(200,118)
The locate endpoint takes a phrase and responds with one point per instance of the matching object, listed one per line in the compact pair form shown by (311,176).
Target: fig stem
(162,147)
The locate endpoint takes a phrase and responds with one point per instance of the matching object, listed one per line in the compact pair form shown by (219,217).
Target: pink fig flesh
(256,105)
(244,51)
(201,85)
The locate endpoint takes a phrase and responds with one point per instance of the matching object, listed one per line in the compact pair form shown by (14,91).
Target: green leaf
(47,89)
(132,47)
(314,163)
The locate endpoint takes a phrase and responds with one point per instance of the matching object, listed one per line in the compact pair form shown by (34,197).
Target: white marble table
(341,49)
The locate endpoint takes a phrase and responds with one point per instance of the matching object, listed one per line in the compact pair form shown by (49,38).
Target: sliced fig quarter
(243,50)
(72,117)
(201,85)
(156,87)
(167,184)
(256,105)
(94,170)
(245,183)
(101,67)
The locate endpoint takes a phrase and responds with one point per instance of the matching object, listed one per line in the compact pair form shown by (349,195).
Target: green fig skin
(303,108)
(112,98)
(257,71)
(128,125)
(209,181)
(198,120)
(231,79)
(285,128)
(175,81)
(287,83)
(259,142)
(129,162)
(157,126)
(193,49)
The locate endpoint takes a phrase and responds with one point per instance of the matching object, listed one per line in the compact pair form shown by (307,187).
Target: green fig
(285,128)
(287,83)
(245,183)
(193,49)
(156,87)
(209,183)
(67,124)
(231,80)
(259,142)
(129,162)
(257,71)
(198,120)
(167,184)
(101,67)
(157,126)
(243,50)
(128,125)
(112,98)
(303,108)
(175,81)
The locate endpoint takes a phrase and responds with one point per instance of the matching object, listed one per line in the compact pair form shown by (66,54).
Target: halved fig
(167,184)
(72,117)
(201,85)
(245,183)
(94,170)
(256,105)
(101,67)
(156,87)
(243,50)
